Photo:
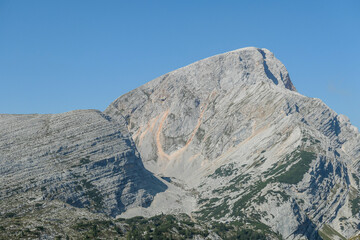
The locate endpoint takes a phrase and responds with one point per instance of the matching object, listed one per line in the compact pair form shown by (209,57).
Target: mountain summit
(233,128)
(226,140)
(180,110)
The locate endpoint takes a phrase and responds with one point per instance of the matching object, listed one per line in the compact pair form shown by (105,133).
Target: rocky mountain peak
(233,127)
(173,112)
(248,64)
(225,139)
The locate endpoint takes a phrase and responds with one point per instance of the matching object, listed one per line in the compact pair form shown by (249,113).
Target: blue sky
(57,56)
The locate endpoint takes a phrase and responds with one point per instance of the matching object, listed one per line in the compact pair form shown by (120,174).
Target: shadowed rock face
(83,158)
(234,128)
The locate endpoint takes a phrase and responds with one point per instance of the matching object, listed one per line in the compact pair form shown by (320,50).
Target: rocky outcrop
(234,128)
(83,158)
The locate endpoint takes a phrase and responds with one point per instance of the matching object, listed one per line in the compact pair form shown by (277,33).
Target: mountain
(224,148)
(82,158)
(232,130)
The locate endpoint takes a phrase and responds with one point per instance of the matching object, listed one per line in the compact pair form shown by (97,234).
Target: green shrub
(296,172)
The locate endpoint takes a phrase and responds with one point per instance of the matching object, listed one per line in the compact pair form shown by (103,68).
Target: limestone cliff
(83,158)
(233,128)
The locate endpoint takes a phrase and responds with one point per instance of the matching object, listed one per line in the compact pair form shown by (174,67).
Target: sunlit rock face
(227,139)
(83,158)
(232,130)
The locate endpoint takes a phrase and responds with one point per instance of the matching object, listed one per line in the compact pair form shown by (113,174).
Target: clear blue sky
(57,56)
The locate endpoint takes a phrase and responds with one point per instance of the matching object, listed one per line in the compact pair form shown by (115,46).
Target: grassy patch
(283,195)
(235,184)
(210,211)
(140,228)
(310,139)
(296,172)
(328,233)
(355,205)
(224,171)
(163,227)
(242,203)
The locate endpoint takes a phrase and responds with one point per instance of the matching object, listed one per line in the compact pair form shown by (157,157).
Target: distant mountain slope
(233,129)
(83,158)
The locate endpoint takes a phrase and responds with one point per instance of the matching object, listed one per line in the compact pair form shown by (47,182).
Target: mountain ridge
(51,155)
(190,123)
(227,139)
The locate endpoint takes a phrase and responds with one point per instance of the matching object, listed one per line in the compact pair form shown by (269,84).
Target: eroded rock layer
(83,158)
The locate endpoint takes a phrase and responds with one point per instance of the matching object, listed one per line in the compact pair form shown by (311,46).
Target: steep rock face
(234,128)
(179,102)
(83,158)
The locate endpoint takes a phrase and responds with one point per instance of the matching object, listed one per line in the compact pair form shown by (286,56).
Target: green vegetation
(181,227)
(93,194)
(259,162)
(200,133)
(355,205)
(283,195)
(82,161)
(310,139)
(203,200)
(85,160)
(240,204)
(296,172)
(78,188)
(303,158)
(73,225)
(328,233)
(95,197)
(40,228)
(9,215)
(291,171)
(235,184)
(163,227)
(38,205)
(214,211)
(96,229)
(261,199)
(356,179)
(247,229)
(208,143)
(224,171)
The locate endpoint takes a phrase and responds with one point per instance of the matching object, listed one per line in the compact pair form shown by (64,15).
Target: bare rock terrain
(227,140)
(83,158)
(233,128)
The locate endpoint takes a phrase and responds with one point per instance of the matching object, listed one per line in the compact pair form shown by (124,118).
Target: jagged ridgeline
(224,148)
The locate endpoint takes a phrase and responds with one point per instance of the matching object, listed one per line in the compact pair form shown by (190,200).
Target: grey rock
(234,128)
(83,158)
(228,138)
